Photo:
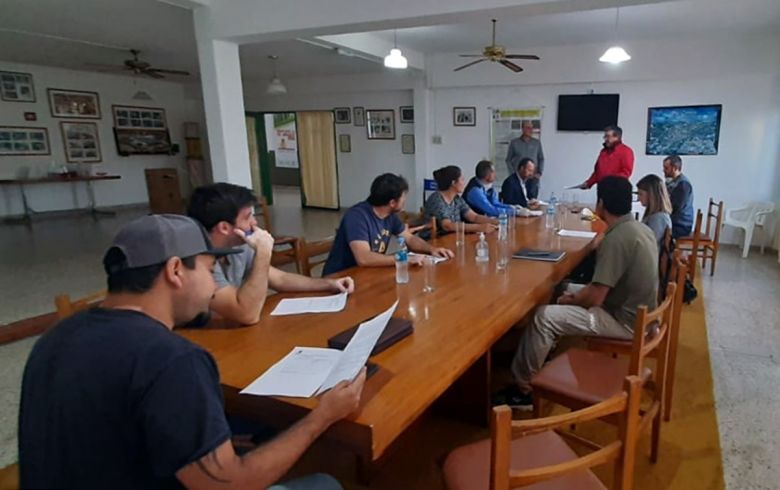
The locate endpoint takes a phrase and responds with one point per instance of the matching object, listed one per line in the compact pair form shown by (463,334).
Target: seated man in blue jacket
(521,188)
(481,195)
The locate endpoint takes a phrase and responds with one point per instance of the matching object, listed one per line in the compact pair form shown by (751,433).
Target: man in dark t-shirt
(366,228)
(112,398)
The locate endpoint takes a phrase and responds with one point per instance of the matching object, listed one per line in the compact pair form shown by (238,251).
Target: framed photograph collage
(17,140)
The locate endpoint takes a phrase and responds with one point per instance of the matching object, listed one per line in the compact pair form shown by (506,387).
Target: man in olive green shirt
(625,278)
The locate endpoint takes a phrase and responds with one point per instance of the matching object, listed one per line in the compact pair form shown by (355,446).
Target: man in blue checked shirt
(481,195)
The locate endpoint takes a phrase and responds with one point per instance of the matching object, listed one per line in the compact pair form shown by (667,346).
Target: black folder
(396,329)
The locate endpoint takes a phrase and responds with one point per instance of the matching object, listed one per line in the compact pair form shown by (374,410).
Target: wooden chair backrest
(693,257)
(66,307)
(651,331)
(714,220)
(622,450)
(308,250)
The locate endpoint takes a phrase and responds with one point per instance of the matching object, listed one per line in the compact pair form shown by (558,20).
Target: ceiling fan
(497,53)
(140,67)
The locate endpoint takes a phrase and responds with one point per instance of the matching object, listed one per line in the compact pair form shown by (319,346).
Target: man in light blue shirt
(481,195)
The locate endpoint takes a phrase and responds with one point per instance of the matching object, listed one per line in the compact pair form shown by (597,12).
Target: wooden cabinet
(162,184)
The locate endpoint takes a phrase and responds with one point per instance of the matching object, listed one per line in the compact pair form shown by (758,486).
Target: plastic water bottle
(503,224)
(402,262)
(549,222)
(483,253)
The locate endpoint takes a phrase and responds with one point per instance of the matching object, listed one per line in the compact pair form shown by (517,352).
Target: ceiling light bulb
(396,60)
(615,55)
(276,87)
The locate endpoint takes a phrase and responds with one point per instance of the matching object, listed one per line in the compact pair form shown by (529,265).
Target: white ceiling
(165,35)
(677,19)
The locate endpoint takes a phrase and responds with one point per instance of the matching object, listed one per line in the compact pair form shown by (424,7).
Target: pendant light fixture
(395,59)
(275,86)
(615,54)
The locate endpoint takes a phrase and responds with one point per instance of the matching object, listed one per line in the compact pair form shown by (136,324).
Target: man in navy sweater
(681,195)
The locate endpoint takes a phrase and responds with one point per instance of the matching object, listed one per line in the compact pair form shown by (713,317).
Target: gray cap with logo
(156,238)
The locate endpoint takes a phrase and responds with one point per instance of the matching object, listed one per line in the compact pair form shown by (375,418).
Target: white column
(423,120)
(223,102)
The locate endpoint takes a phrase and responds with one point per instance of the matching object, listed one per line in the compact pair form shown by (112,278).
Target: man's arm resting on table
(223,469)
(591,295)
(417,244)
(365,257)
(287,282)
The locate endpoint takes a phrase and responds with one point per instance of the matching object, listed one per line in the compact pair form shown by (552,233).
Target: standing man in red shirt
(615,159)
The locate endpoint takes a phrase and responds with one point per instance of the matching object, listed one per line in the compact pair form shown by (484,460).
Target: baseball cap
(155,238)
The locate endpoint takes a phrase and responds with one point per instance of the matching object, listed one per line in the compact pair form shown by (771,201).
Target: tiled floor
(742,303)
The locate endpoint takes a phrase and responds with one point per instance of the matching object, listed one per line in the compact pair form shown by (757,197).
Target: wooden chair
(693,249)
(709,241)
(285,247)
(417,222)
(581,377)
(67,307)
(677,273)
(317,250)
(527,452)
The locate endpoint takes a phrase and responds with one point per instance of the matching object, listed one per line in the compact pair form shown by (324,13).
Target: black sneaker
(516,399)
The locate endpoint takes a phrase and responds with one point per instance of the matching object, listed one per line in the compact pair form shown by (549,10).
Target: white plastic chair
(748,218)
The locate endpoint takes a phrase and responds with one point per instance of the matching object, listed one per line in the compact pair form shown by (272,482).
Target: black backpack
(665,268)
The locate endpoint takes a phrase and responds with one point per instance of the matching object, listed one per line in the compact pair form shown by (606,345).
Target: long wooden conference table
(471,307)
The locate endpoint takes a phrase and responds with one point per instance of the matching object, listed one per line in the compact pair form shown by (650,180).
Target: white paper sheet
(575,186)
(577,233)
(358,349)
(436,260)
(299,374)
(316,304)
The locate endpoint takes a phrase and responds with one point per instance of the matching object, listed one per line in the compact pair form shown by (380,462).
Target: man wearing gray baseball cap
(112,398)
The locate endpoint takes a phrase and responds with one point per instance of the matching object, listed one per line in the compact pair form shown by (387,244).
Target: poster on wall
(686,130)
(507,125)
(282,138)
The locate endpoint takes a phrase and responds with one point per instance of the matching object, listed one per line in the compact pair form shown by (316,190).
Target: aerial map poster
(686,130)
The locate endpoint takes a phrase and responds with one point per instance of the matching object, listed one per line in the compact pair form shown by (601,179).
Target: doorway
(294,153)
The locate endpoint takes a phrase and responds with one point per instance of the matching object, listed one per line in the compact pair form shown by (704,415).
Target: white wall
(368,158)
(741,74)
(112,89)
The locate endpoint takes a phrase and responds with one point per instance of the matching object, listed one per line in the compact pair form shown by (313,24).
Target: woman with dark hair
(448,207)
(655,198)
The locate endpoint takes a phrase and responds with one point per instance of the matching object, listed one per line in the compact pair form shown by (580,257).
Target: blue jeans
(319,481)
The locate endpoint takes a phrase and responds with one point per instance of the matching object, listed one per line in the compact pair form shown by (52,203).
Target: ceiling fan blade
(522,57)
(152,73)
(511,66)
(469,64)
(470,55)
(104,67)
(170,72)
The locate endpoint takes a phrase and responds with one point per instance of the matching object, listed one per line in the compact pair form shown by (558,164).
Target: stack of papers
(577,233)
(309,371)
(316,304)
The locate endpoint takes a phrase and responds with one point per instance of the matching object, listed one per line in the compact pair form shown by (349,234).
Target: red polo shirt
(618,160)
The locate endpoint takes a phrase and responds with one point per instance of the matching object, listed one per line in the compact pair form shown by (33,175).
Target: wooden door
(317,151)
(162,184)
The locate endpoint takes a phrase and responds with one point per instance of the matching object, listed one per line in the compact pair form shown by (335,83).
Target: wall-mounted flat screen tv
(592,112)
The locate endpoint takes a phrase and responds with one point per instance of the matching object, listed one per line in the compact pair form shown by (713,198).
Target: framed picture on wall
(130,117)
(380,124)
(464,116)
(142,142)
(74,104)
(19,140)
(16,87)
(683,130)
(407,144)
(342,115)
(359,116)
(81,142)
(407,114)
(345,143)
